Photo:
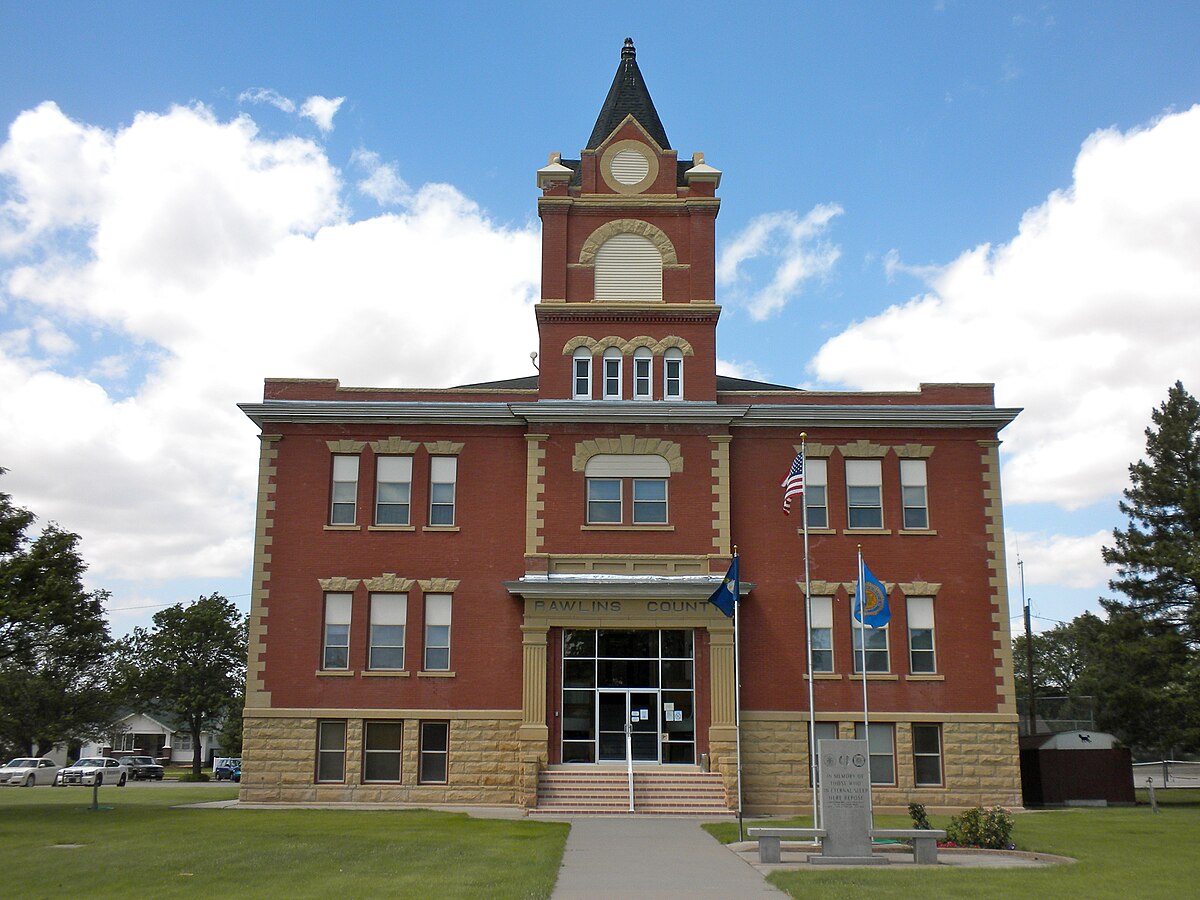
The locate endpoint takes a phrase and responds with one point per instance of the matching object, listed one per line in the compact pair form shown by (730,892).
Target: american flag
(793,484)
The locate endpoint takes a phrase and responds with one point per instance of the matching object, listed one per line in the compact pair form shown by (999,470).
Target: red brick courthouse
(461,594)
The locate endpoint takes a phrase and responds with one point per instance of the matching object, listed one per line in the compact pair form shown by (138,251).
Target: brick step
(606,792)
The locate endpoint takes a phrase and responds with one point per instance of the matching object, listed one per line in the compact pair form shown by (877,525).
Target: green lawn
(1125,852)
(143,846)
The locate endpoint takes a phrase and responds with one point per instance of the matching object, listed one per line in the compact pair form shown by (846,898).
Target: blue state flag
(724,597)
(871,601)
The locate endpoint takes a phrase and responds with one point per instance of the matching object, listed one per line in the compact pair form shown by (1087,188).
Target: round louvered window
(629,166)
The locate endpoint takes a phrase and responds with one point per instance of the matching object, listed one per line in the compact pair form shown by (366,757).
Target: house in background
(489,593)
(138,734)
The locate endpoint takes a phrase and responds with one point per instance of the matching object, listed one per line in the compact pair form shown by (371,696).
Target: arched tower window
(612,374)
(581,374)
(673,374)
(628,267)
(643,374)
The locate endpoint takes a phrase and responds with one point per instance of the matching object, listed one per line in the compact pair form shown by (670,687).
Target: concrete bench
(769,838)
(924,841)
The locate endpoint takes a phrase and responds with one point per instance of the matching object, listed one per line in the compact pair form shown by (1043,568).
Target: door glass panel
(627,673)
(636,644)
(677,673)
(677,644)
(579,673)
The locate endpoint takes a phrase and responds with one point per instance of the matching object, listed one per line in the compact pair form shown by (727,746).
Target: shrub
(990,829)
(916,812)
(190,777)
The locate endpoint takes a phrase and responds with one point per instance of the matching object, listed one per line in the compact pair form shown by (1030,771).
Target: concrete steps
(584,792)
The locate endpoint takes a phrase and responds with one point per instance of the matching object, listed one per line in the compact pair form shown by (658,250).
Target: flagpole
(737,692)
(812,710)
(862,640)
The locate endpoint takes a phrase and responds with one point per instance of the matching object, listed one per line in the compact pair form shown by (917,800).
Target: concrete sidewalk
(651,856)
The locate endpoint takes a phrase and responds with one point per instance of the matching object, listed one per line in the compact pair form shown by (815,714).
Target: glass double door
(638,710)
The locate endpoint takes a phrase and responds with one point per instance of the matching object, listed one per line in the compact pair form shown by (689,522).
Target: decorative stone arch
(439,585)
(611,341)
(675,341)
(628,444)
(338,584)
(390,583)
(395,445)
(345,446)
(655,235)
(579,341)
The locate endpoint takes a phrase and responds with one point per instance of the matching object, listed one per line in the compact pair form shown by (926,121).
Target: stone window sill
(440,528)
(864,531)
(925,677)
(872,676)
(626,527)
(343,528)
(424,674)
(399,673)
(336,673)
(391,528)
(917,531)
(813,531)
(827,676)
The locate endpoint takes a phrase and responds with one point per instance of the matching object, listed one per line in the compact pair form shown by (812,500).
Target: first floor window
(816,475)
(877,648)
(389,613)
(881,743)
(345,490)
(824,731)
(673,374)
(331,751)
(337,632)
(381,751)
(643,380)
(604,501)
(443,475)
(822,634)
(437,632)
(435,752)
(864,493)
(921,658)
(183,741)
(927,754)
(913,490)
(581,374)
(393,490)
(649,501)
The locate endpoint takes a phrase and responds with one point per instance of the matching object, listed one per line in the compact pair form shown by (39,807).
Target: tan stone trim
(851,716)
(721,666)
(647,153)
(721,494)
(388,713)
(391,528)
(535,489)
(533,675)
(866,531)
(926,677)
(628,444)
(395,446)
(440,528)
(826,676)
(389,583)
(335,673)
(380,673)
(627,347)
(875,676)
(864,449)
(815,450)
(852,586)
(342,528)
(338,584)
(436,674)
(813,531)
(656,236)
(626,527)
(998,580)
(444,448)
(439,585)
(627,564)
(917,532)
(919,588)
(913,451)
(345,446)
(821,588)
(260,590)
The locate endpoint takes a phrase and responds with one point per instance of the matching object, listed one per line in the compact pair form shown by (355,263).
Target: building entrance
(641,678)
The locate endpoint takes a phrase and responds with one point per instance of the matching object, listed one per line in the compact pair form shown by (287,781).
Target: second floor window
(913,491)
(822,634)
(389,614)
(921,657)
(393,490)
(345,490)
(336,654)
(864,493)
(437,632)
(604,501)
(877,648)
(443,477)
(816,477)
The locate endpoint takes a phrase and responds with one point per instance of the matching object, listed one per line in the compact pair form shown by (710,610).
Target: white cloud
(321,110)
(382,183)
(217,257)
(1084,318)
(268,96)
(740,369)
(796,247)
(1057,560)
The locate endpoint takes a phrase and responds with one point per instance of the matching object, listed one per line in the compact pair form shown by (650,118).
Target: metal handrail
(629,759)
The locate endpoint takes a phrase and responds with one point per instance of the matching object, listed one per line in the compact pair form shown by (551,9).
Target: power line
(163,605)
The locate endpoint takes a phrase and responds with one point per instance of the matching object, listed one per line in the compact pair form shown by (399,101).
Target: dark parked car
(229,769)
(144,768)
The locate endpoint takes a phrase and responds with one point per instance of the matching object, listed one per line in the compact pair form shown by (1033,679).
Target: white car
(28,771)
(94,770)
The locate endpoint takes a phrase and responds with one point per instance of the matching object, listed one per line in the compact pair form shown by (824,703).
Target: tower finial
(628,51)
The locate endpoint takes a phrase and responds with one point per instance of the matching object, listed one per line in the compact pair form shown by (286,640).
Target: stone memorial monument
(845,804)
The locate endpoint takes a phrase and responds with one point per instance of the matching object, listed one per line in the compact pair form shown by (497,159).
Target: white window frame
(673,380)
(324,752)
(338,614)
(393,474)
(822,636)
(392,755)
(816,491)
(864,493)
(611,373)
(918,755)
(914,495)
(643,374)
(388,611)
(643,505)
(920,614)
(581,374)
(882,748)
(877,644)
(443,474)
(596,504)
(438,615)
(343,493)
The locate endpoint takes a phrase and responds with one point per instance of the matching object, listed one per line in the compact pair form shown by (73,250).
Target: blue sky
(913,191)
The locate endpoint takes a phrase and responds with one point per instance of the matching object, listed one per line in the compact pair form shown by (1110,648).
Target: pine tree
(1158,555)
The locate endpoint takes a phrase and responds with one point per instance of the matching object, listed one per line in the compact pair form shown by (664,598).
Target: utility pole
(1028,651)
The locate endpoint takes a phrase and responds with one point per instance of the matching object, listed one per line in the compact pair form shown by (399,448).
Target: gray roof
(628,96)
